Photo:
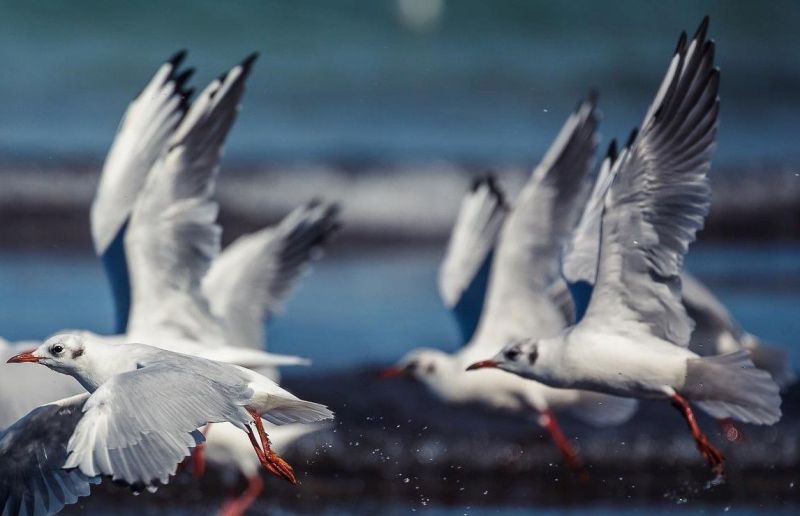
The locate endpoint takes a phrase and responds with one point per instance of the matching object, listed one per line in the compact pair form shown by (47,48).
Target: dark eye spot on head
(56,350)
(411,367)
(78,352)
(430,369)
(533,355)
(512,353)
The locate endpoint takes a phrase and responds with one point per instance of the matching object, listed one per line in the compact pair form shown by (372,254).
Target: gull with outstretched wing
(633,340)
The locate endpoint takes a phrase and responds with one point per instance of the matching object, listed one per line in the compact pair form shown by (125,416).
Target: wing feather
(138,426)
(141,139)
(659,200)
(32,455)
(250,280)
(464,271)
(526,261)
(173,234)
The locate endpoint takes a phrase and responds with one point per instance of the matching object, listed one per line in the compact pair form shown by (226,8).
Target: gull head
(518,356)
(63,352)
(423,364)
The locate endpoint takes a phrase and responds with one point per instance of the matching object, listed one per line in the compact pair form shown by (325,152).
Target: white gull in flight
(137,422)
(633,340)
(518,276)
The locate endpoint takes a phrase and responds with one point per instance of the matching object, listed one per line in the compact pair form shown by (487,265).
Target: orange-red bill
(391,372)
(483,364)
(23,357)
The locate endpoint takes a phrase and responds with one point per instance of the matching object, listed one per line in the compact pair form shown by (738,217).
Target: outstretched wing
(582,250)
(173,234)
(250,280)
(141,139)
(32,455)
(140,425)
(659,200)
(464,272)
(529,245)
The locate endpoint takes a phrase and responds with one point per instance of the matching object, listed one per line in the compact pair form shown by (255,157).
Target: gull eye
(513,353)
(57,349)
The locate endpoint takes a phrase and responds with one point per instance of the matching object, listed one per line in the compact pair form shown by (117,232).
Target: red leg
(548,421)
(237,506)
(198,456)
(269,459)
(713,456)
(730,431)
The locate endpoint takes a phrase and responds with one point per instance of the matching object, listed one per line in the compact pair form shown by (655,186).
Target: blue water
(354,79)
(373,306)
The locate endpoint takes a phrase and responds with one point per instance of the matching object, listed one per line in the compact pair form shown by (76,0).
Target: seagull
(633,339)
(715,331)
(146,131)
(501,267)
(137,422)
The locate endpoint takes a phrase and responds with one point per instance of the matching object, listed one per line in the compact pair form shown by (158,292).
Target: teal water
(373,306)
(354,79)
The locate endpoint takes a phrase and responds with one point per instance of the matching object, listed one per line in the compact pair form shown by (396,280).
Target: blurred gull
(500,278)
(137,422)
(245,283)
(633,339)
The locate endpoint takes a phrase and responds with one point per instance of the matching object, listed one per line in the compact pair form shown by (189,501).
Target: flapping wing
(529,246)
(464,272)
(32,455)
(141,139)
(582,250)
(173,234)
(659,200)
(140,425)
(250,280)
(711,319)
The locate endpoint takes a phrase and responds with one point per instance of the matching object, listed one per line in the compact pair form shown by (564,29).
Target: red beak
(482,365)
(24,357)
(391,372)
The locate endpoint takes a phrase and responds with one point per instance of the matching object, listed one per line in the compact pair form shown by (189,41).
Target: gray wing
(140,425)
(141,139)
(464,271)
(580,255)
(712,321)
(659,200)
(582,250)
(173,235)
(250,280)
(529,246)
(32,455)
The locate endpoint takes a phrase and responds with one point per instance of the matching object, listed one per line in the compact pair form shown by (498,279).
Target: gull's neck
(103,361)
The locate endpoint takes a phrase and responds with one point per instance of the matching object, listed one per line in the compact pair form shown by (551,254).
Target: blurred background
(392,107)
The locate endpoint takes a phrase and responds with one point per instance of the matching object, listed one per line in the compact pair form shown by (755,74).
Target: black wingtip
(593,96)
(247,64)
(632,137)
(177,58)
(681,46)
(590,99)
(490,180)
(612,152)
(702,30)
(181,78)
